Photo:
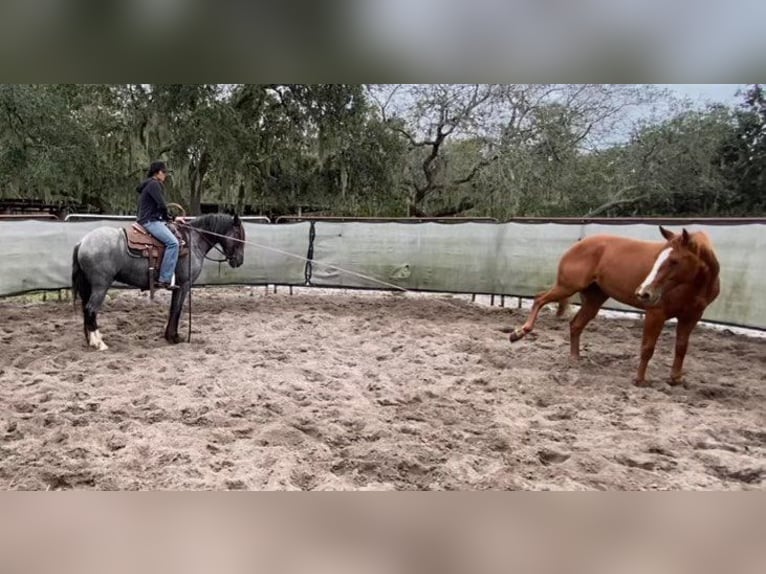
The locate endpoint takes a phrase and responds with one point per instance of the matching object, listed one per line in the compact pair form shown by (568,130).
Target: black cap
(156,167)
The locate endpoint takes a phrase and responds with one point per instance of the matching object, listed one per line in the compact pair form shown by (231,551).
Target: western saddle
(143,244)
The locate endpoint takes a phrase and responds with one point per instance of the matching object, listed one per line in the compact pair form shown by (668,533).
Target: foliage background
(498,150)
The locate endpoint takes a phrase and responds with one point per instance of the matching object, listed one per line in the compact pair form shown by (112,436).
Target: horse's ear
(236,219)
(686,238)
(666,233)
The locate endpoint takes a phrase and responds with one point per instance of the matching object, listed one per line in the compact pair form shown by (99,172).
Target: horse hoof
(515,335)
(95,341)
(641,382)
(675,381)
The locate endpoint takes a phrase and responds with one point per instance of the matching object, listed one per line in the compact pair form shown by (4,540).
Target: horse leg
(80,287)
(176,306)
(592,298)
(653,323)
(556,293)
(90,313)
(683,331)
(84,292)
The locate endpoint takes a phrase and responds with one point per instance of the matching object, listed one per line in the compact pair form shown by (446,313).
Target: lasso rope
(302,258)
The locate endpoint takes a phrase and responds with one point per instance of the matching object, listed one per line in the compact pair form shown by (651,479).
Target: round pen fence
(515,258)
(327,390)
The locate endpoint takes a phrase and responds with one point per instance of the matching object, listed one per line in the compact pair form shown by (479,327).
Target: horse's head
(677,264)
(233,243)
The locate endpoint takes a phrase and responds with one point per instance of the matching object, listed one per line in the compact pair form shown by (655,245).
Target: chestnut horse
(677,278)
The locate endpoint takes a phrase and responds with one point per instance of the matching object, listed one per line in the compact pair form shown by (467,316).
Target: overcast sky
(724,93)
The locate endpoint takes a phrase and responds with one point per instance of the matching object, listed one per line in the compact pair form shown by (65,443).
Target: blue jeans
(161,232)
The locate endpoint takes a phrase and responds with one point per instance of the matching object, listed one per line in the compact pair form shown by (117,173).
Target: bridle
(217,246)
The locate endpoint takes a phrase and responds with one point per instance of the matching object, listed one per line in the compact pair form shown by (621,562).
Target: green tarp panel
(274,254)
(38,255)
(507,258)
(511,258)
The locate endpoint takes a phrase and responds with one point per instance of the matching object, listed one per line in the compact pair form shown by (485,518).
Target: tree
(47,149)
(743,155)
(551,139)
(427,116)
(482,149)
(317,146)
(671,168)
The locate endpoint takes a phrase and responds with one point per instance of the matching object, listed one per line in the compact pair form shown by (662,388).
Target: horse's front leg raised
(176,306)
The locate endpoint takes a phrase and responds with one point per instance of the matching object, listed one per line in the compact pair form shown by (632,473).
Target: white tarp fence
(510,258)
(38,255)
(520,259)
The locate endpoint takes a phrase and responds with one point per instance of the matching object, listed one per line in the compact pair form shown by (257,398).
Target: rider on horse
(153,216)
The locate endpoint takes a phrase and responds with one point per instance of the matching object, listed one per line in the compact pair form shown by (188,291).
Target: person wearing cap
(153,216)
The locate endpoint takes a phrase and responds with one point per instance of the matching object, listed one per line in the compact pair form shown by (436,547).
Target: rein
(204,256)
(215,245)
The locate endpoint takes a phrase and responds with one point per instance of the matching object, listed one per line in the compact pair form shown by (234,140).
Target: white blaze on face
(95,340)
(664,254)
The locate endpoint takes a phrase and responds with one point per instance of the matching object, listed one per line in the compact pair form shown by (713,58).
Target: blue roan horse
(102,257)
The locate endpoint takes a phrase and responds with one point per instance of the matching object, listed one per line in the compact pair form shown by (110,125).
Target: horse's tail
(80,283)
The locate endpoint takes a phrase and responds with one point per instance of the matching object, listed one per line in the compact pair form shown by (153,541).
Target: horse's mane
(703,248)
(220,223)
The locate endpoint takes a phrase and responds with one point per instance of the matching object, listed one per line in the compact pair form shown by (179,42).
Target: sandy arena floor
(360,391)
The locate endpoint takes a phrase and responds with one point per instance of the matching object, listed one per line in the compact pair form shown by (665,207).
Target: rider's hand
(179,219)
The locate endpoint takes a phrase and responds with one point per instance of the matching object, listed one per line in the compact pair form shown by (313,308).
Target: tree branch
(412,140)
(617,200)
(475,170)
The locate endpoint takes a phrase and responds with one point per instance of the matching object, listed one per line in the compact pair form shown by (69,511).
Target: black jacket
(151,202)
